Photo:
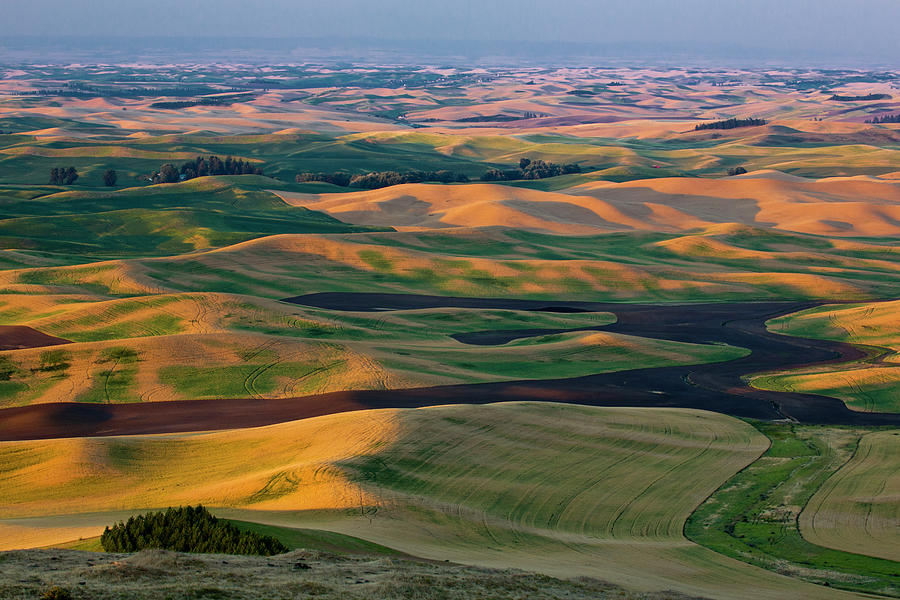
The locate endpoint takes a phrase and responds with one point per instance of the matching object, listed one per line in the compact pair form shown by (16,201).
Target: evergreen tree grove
(381,179)
(531,169)
(203,166)
(730,124)
(885,119)
(186,529)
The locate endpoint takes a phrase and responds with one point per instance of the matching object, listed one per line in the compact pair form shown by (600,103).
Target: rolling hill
(855,207)
(470,484)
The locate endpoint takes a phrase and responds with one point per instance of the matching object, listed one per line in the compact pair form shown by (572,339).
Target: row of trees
(498,118)
(885,119)
(213,165)
(225,100)
(169,173)
(730,124)
(531,169)
(75,88)
(865,98)
(381,179)
(186,529)
(176,104)
(69,175)
(203,166)
(527,169)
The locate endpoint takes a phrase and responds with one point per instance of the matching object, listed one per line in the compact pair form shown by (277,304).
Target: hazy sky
(828,27)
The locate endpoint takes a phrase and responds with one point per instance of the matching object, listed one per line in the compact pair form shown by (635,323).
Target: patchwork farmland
(516,333)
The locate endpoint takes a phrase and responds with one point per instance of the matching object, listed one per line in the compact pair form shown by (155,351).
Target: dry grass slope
(161,575)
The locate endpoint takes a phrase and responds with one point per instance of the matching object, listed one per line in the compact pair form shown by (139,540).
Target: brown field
(16,337)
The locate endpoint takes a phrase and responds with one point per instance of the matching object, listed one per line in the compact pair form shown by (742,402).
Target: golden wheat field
(560,489)
(857,509)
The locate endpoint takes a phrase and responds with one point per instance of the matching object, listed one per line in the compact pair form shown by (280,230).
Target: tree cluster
(206,101)
(730,124)
(176,104)
(339,178)
(498,118)
(736,171)
(63,176)
(885,119)
(79,89)
(381,179)
(531,169)
(110,177)
(186,529)
(203,166)
(860,98)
